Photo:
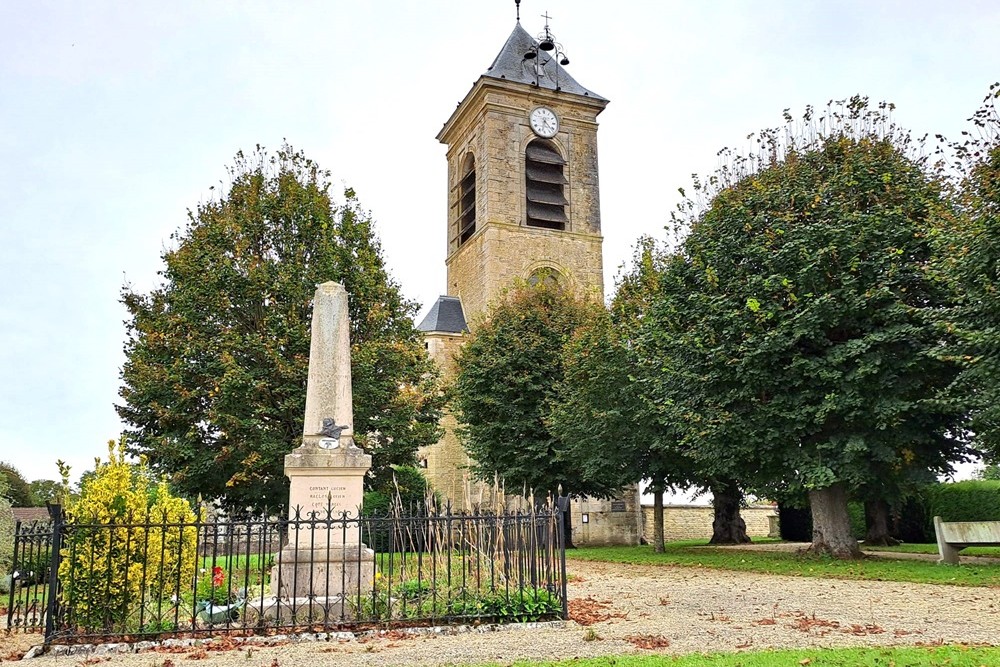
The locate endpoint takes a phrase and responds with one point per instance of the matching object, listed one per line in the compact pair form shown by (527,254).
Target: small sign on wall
(618,506)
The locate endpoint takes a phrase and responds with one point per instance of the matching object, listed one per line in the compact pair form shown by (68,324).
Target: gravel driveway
(640,609)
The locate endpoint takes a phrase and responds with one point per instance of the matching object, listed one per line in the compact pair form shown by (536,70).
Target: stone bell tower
(523,203)
(523,195)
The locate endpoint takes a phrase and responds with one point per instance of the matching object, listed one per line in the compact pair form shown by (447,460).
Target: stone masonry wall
(492,126)
(606,522)
(691,522)
(446,460)
(500,254)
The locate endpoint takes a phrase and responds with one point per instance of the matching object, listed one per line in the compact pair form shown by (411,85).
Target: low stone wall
(691,522)
(606,522)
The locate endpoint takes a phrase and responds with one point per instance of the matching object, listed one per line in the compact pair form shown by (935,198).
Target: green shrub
(110,565)
(972,500)
(910,522)
(856,513)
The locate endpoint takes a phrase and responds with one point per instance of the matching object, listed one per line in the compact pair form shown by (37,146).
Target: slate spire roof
(446,315)
(511,66)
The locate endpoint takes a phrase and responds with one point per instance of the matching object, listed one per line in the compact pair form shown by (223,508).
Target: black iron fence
(149,577)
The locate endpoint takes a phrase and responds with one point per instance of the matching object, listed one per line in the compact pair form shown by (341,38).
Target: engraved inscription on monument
(324,495)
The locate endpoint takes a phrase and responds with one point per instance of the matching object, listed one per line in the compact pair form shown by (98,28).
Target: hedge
(972,500)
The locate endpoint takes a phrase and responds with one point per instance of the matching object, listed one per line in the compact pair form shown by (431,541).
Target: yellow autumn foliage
(124,545)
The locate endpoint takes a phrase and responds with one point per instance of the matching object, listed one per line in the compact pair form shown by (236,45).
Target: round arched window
(545,275)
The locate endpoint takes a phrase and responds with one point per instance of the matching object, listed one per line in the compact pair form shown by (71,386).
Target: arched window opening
(544,181)
(467,201)
(544,275)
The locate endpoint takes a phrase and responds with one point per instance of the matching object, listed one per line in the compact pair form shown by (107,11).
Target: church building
(523,203)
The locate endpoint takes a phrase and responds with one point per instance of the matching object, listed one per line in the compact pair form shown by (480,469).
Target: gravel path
(640,609)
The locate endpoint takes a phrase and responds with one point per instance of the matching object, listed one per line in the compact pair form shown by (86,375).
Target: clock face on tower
(544,122)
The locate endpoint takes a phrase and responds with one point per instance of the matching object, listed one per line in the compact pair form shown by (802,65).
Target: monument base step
(306,610)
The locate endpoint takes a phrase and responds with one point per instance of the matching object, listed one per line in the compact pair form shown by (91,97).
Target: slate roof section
(510,65)
(446,315)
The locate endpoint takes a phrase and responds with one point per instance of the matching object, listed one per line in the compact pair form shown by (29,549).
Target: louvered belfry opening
(544,181)
(467,201)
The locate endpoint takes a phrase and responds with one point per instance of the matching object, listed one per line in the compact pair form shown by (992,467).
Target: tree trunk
(877,523)
(831,524)
(658,546)
(728,527)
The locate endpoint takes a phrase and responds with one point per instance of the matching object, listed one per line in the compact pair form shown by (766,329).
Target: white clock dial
(544,122)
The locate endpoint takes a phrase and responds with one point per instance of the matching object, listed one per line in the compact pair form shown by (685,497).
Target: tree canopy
(14,486)
(213,388)
(45,491)
(506,388)
(810,353)
(976,246)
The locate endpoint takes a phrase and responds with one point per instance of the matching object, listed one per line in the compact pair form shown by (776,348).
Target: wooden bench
(953,536)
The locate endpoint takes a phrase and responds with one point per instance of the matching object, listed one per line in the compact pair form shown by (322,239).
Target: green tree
(7,528)
(604,411)
(661,325)
(44,491)
(975,242)
(214,383)
(16,488)
(813,358)
(508,374)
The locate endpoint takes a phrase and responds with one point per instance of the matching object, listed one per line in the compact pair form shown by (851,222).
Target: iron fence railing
(149,577)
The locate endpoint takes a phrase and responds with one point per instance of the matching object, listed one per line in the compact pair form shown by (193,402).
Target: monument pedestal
(321,559)
(324,573)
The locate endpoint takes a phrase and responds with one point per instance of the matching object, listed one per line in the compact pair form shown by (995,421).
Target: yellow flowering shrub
(123,545)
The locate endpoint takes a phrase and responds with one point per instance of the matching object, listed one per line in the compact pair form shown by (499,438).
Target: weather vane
(517,3)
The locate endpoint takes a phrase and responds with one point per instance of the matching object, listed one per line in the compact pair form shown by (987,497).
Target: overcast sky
(115,118)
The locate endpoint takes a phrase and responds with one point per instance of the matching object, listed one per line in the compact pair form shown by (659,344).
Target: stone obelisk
(326,471)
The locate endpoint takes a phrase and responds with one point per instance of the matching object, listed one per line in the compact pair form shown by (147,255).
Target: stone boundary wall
(691,522)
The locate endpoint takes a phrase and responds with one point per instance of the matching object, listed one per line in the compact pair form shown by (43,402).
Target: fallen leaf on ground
(649,642)
(588,611)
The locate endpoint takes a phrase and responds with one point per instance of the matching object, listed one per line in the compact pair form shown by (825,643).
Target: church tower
(523,204)
(523,197)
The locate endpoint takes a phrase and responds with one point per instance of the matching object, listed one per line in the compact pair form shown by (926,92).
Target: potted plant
(216,602)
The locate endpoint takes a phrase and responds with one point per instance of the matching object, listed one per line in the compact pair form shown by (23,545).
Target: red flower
(218,576)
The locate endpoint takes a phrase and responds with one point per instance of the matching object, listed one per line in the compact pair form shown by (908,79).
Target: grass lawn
(941,656)
(932,549)
(694,553)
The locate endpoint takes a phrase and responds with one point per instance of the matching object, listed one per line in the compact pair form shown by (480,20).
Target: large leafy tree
(813,359)
(506,387)
(44,491)
(14,486)
(213,388)
(605,411)
(666,327)
(976,242)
